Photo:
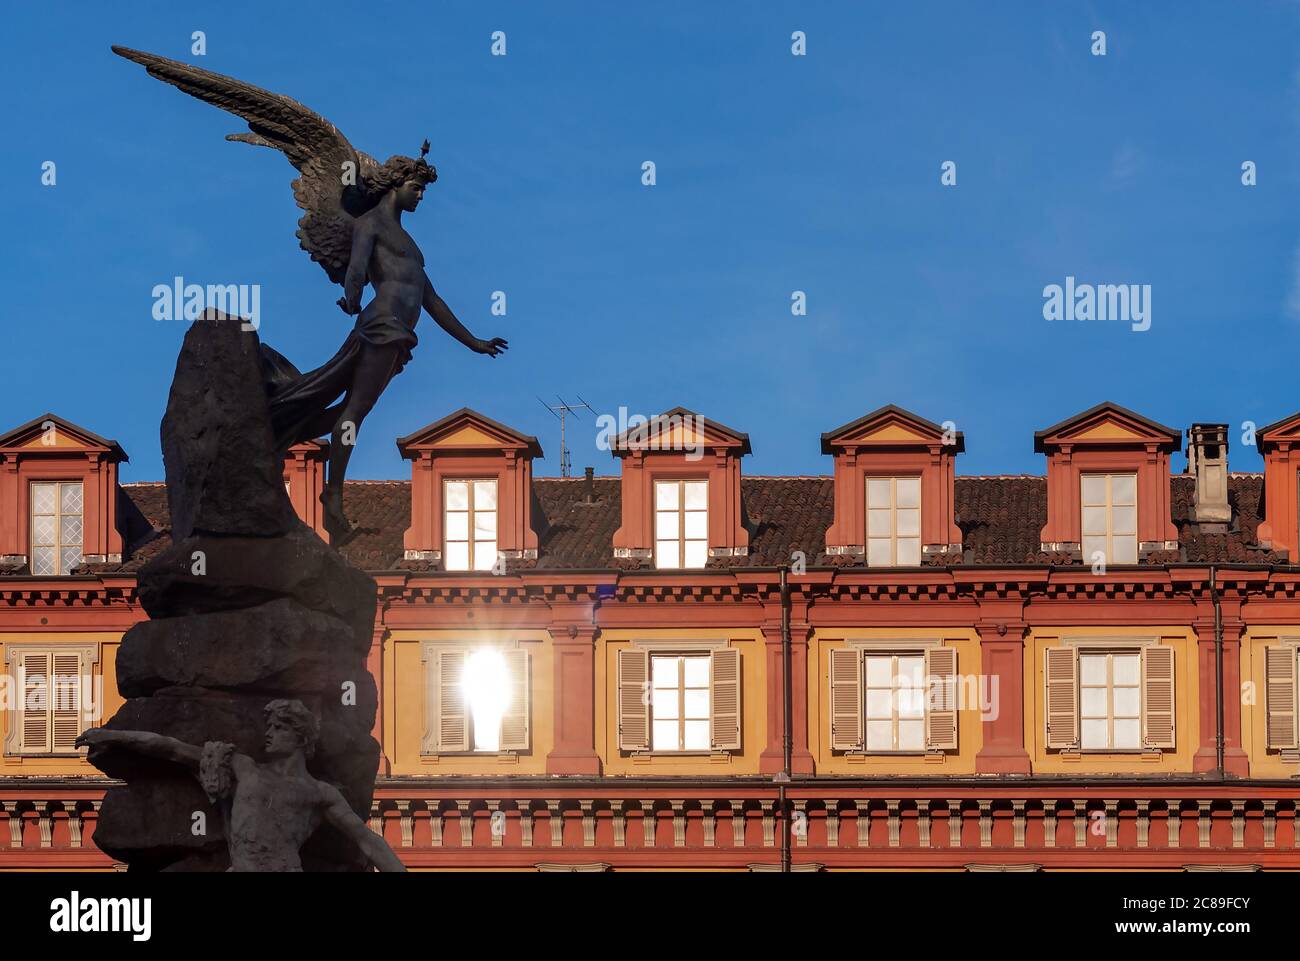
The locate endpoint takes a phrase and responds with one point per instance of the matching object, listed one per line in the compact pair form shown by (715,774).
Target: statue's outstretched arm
(374,847)
(144,742)
(441,313)
(363,244)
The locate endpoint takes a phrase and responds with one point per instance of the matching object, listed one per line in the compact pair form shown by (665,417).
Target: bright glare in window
(487,690)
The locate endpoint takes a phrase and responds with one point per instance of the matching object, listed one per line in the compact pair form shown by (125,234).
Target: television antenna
(562,410)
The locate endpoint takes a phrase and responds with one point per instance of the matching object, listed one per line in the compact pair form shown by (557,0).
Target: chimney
(1207,462)
(590,473)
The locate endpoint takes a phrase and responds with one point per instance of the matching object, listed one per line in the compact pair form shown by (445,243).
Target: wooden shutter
(34,709)
(452,718)
(1158,697)
(941,699)
(724,700)
(847,707)
(633,701)
(65,701)
(514,722)
(1280,696)
(1062,672)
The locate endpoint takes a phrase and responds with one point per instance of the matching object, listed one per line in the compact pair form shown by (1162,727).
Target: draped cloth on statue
(303,405)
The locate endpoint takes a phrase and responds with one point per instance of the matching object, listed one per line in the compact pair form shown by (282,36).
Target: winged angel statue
(352,227)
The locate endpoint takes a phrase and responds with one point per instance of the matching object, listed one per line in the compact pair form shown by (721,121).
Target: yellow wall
(404,700)
(753,706)
(1186,705)
(970,734)
(29,766)
(1254,717)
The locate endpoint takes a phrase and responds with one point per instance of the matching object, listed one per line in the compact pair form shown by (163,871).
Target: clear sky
(775,173)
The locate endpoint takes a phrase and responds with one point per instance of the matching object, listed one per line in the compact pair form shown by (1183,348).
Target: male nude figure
(385,256)
(272,808)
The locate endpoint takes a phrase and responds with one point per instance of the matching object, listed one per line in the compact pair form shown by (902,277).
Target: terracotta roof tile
(1000,519)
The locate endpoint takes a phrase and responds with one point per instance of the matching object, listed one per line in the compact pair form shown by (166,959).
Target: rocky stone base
(246,606)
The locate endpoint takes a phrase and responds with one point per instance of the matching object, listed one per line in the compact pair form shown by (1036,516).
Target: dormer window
(1279,444)
(471,525)
(1109,518)
(471,494)
(1108,490)
(56,527)
(680,491)
(58,498)
(893,521)
(681,523)
(894,489)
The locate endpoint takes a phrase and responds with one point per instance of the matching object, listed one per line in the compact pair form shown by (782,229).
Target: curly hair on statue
(395,171)
(297,716)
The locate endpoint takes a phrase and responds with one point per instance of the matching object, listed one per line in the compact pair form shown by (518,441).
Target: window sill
(79,755)
(645,757)
(1146,754)
(504,757)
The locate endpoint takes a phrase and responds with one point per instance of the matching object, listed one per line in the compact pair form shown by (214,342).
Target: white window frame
(1111,535)
(681,688)
(894,537)
(59,546)
(1109,687)
(895,691)
(470,511)
(680,513)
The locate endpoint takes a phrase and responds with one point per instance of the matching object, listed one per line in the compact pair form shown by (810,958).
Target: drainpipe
(787,732)
(1218,672)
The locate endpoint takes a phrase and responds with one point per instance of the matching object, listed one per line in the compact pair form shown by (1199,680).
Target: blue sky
(775,173)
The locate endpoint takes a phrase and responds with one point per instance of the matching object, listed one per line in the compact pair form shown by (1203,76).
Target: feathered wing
(330,199)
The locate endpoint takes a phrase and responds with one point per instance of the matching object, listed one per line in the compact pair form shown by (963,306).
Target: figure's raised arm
(374,847)
(363,244)
(143,742)
(440,312)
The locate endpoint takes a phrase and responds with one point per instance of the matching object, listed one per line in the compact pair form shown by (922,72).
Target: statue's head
(408,176)
(290,727)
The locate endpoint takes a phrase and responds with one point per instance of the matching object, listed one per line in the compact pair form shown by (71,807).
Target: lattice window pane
(43,498)
(44,561)
(71,533)
(71,498)
(43,531)
(69,557)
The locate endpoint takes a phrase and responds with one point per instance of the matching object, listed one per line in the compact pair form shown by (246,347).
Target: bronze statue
(352,227)
(269,809)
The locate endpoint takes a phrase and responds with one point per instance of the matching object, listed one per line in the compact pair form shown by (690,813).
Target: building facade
(893,666)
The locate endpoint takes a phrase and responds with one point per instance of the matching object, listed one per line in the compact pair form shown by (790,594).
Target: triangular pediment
(892,426)
(1108,425)
(51,433)
(675,430)
(1286,429)
(468,430)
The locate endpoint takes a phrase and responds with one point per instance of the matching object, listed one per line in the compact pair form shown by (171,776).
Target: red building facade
(1093,668)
